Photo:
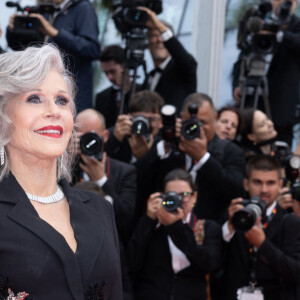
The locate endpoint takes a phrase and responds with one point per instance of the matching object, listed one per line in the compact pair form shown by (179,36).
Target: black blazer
(151,266)
(278,264)
(36,258)
(178,79)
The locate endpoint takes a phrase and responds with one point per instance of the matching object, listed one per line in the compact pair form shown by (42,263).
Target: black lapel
(88,226)
(273,227)
(24,214)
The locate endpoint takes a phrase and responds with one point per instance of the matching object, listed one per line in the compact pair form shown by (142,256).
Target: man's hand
(256,235)
(195,148)
(153,22)
(139,145)
(167,218)
(122,127)
(93,167)
(153,203)
(48,29)
(232,209)
(284,198)
(237,95)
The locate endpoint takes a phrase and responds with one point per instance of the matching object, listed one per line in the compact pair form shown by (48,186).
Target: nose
(52,110)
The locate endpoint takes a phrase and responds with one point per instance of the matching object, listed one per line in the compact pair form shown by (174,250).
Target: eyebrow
(59,91)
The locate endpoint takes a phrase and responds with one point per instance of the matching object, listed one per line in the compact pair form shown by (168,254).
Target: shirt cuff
(101,181)
(166,35)
(279,36)
(160,148)
(227,235)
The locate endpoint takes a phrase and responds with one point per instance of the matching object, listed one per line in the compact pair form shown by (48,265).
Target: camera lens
(140,126)
(91,144)
(190,129)
(171,201)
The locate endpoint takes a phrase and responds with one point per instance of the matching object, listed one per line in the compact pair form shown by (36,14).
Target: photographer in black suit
(269,252)
(112,60)
(283,74)
(174,76)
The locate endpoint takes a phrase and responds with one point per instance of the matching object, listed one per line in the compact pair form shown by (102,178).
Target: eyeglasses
(186,196)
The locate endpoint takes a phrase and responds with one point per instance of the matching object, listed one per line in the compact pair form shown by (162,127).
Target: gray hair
(21,72)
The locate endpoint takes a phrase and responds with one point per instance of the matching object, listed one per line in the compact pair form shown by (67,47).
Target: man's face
(276,4)
(206,116)
(154,119)
(113,71)
(156,46)
(265,184)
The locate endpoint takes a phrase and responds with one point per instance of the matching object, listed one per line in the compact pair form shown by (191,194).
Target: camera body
(171,201)
(141,126)
(190,128)
(245,218)
(91,144)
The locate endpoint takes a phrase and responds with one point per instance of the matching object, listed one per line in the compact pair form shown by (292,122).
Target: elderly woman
(55,242)
(171,251)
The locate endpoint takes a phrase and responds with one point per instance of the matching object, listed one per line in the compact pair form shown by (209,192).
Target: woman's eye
(62,100)
(33,99)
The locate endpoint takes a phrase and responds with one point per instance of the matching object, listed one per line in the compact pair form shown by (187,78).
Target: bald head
(91,120)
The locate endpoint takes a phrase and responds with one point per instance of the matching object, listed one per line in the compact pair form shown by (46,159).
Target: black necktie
(154,71)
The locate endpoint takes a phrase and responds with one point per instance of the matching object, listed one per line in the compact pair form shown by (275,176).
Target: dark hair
(179,174)
(197,98)
(246,127)
(263,162)
(145,101)
(234,110)
(113,52)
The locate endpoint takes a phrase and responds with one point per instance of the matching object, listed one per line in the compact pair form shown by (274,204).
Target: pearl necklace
(57,196)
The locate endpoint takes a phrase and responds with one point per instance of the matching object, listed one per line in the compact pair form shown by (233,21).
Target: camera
(168,114)
(171,201)
(131,23)
(91,144)
(140,126)
(190,128)
(26,29)
(295,191)
(245,218)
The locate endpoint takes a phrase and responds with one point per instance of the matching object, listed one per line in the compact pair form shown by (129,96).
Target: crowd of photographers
(206,202)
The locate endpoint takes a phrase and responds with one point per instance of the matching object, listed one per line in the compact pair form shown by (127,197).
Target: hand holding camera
(122,127)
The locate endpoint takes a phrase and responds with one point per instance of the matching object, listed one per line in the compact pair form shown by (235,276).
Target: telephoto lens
(171,201)
(245,218)
(190,128)
(91,144)
(168,114)
(140,126)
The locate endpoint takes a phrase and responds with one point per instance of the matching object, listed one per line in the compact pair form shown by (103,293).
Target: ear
(280,183)
(105,135)
(251,137)
(246,184)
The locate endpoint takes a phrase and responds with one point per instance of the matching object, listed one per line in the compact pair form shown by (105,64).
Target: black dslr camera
(141,126)
(190,128)
(171,201)
(168,114)
(295,191)
(91,144)
(131,22)
(245,218)
(26,29)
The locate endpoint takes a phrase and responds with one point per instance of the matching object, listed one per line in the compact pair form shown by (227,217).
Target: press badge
(249,293)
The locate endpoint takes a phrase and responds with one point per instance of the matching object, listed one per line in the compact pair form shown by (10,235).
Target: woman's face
(227,124)
(263,128)
(42,120)
(184,189)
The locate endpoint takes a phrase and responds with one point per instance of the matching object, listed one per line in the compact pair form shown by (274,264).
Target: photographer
(174,76)
(268,254)
(171,251)
(284,70)
(117,179)
(124,142)
(112,60)
(74,29)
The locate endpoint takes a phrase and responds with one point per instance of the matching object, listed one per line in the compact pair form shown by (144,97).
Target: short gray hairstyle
(21,72)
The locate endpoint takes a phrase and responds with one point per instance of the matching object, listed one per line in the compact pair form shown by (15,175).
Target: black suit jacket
(37,259)
(106,105)
(178,79)
(151,265)
(283,76)
(278,264)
